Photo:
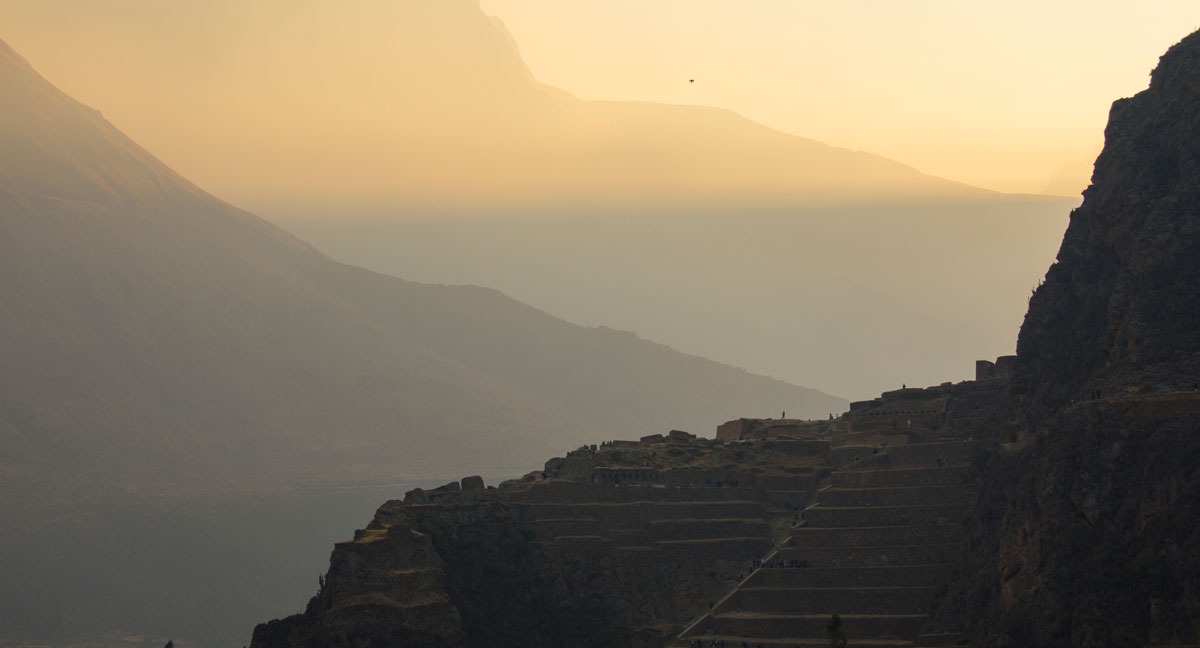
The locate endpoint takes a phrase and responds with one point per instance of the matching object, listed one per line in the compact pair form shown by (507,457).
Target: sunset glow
(1001,98)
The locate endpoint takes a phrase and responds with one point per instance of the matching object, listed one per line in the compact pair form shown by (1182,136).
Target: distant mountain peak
(55,145)
(434,106)
(145,321)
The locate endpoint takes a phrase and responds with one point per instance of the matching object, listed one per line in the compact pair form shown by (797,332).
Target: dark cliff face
(1119,310)
(446,568)
(1088,535)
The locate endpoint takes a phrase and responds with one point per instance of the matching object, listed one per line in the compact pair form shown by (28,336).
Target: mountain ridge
(166,352)
(93,222)
(434,108)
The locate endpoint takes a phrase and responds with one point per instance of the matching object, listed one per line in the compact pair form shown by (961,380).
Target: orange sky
(998,95)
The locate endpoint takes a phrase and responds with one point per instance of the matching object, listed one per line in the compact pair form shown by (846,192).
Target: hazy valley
(452,269)
(432,153)
(857,299)
(164,349)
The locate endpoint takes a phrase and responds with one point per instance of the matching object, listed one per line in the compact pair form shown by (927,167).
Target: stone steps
(806,536)
(631,537)
(572,492)
(788,498)
(749,546)
(710,548)
(581,540)
(708,529)
(655,530)
(896,496)
(798,483)
(927,454)
(931,639)
(868,556)
(644,511)
(876,544)
(828,517)
(809,577)
(845,600)
(787,642)
(861,626)
(901,477)
(551,528)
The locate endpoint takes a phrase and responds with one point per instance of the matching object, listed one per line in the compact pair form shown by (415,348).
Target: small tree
(837,634)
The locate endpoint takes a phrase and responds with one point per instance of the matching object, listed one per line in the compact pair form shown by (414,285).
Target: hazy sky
(995,94)
(998,95)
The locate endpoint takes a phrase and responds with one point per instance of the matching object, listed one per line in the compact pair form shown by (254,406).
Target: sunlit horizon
(1001,97)
(994,98)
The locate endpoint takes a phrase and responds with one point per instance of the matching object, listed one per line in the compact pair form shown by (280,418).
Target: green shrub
(837,634)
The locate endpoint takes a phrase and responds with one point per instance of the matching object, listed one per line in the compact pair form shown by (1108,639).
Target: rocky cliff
(1117,311)
(1087,536)
(617,545)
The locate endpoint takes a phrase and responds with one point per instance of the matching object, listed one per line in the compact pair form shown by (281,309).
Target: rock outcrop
(1118,311)
(1088,536)
(617,545)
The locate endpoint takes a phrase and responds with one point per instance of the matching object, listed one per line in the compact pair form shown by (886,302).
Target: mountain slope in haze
(148,322)
(427,103)
(166,358)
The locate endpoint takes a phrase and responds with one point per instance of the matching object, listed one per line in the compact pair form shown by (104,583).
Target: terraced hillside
(758,536)
(874,548)
(613,541)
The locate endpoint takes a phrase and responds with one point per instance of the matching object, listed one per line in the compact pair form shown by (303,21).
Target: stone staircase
(634,516)
(717,530)
(873,549)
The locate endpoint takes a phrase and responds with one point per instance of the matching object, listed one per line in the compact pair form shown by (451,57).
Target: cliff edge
(1087,535)
(1117,311)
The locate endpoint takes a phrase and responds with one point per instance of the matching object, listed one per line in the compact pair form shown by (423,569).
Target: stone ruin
(1001,368)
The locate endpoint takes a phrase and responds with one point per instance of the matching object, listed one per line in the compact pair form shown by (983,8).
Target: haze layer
(162,349)
(427,102)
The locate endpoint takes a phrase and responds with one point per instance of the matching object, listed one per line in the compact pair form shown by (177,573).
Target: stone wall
(1087,536)
(735,429)
(1001,368)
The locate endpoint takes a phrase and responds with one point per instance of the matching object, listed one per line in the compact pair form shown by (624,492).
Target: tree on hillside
(837,634)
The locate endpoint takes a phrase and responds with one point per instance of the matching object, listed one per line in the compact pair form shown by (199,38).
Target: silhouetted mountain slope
(424,104)
(160,348)
(146,322)
(700,155)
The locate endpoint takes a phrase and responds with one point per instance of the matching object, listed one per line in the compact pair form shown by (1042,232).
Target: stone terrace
(873,550)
